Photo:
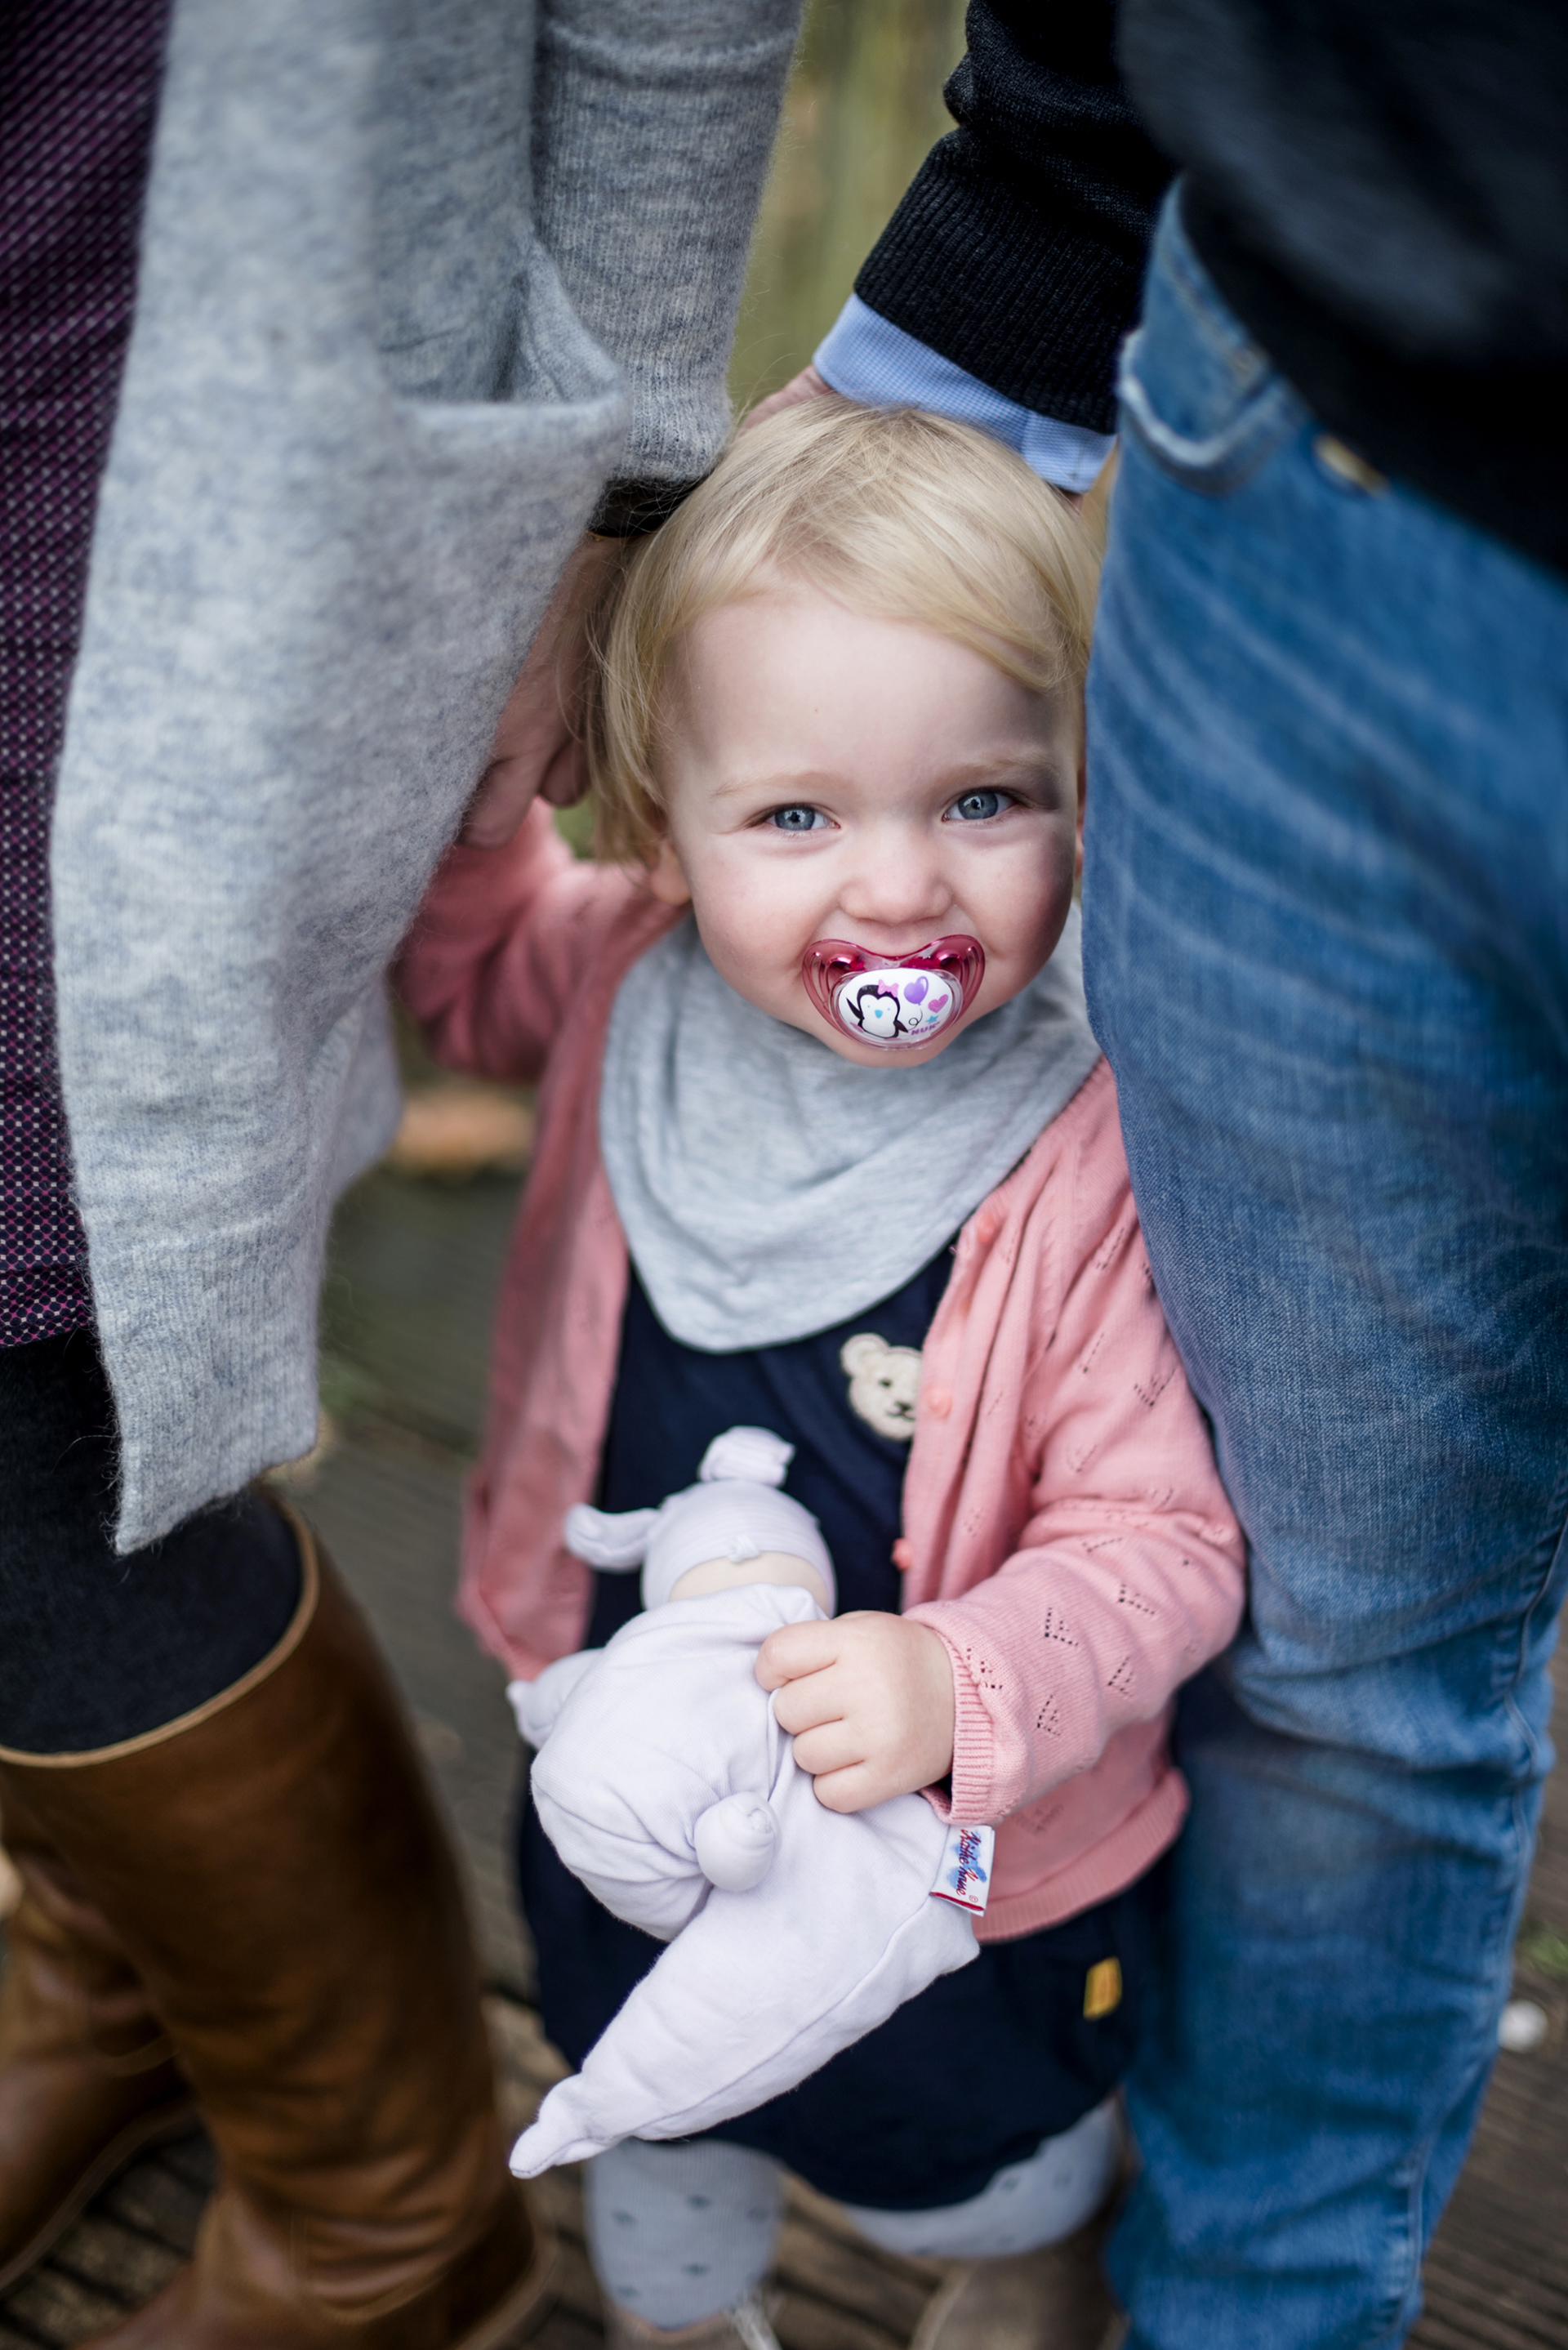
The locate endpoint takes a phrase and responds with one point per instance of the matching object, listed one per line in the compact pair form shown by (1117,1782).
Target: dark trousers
(96,1647)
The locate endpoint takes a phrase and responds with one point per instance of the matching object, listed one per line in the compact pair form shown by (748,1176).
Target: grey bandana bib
(768,1189)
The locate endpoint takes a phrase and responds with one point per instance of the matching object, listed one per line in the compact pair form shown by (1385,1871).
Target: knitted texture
(1381,194)
(642,226)
(360,427)
(78,89)
(1018,250)
(1066,1532)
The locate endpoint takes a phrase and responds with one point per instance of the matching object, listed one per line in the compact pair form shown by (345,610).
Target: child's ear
(665,878)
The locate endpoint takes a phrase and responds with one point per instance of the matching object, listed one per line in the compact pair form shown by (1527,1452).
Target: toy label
(963,1874)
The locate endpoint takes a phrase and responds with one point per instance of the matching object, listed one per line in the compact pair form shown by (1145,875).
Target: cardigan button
(903,1554)
(939,1402)
(987,1224)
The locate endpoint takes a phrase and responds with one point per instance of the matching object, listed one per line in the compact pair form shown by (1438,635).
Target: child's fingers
(833,1746)
(794,1649)
(855,1789)
(809,1701)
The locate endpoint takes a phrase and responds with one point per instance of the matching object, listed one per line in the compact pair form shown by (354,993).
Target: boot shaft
(278,1879)
(70,1988)
(86,2076)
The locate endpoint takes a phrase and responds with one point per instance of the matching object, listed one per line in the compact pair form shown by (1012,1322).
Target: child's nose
(894,883)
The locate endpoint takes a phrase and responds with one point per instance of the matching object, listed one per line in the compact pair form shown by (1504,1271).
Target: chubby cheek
(1020,909)
(755,925)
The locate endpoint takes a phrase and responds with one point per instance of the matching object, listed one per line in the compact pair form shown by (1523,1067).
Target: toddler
(825,1146)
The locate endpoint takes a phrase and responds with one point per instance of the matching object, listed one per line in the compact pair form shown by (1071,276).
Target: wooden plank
(564,2330)
(525,2062)
(854,2279)
(101,2252)
(153,2197)
(193,2160)
(409,1299)
(801,2321)
(60,2309)
(389,1514)
(576,2286)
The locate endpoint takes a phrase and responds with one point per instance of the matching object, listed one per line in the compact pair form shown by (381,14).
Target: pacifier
(897,1002)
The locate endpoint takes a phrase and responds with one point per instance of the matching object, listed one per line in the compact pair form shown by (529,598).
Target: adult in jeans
(1326,946)
(325,328)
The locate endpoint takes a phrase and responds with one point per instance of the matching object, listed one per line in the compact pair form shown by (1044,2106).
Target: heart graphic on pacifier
(894,1001)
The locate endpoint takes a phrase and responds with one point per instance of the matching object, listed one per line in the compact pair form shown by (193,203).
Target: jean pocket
(1197,395)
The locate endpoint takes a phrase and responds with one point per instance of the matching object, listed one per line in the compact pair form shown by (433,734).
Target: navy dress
(975,2071)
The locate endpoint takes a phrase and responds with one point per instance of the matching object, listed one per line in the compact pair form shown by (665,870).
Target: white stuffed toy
(665,1784)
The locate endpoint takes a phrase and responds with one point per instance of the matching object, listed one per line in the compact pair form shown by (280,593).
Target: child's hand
(869,1700)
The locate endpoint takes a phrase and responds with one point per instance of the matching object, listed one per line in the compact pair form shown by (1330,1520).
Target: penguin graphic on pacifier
(898,1002)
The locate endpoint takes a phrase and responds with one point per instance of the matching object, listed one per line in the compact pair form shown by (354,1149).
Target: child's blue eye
(796,819)
(975,806)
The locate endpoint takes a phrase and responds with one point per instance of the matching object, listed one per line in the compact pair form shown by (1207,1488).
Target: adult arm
(653,124)
(654,121)
(1005,280)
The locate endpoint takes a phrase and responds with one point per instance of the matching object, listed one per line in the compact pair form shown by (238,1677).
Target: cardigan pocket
(558,418)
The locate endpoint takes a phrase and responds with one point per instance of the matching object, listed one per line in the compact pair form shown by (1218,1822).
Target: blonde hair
(899,514)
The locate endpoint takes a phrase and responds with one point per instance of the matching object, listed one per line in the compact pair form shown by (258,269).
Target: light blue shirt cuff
(866,357)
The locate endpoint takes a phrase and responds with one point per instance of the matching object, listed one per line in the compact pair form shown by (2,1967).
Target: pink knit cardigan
(1064,1528)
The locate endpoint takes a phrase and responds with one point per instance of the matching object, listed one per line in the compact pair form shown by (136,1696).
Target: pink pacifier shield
(895,1002)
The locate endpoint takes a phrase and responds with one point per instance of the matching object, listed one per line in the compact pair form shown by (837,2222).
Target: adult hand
(809,385)
(806,385)
(536,747)
(868,1699)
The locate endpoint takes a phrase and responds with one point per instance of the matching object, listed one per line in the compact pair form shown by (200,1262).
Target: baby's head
(838,704)
(734,1527)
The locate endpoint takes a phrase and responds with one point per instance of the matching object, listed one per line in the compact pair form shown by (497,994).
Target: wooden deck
(408,1308)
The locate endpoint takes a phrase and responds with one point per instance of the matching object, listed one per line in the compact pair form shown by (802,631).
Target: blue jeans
(1327,940)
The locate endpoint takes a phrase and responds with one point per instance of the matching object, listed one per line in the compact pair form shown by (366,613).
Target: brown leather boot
(276,1869)
(87,2072)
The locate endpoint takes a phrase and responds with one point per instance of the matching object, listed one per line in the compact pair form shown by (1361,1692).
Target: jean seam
(1199,297)
(1411,2259)
(1557,1557)
(1389,2318)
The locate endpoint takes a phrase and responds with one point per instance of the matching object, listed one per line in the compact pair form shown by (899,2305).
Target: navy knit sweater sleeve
(1379,190)
(1018,250)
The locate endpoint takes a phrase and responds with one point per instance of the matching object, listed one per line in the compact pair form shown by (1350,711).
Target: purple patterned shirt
(78,91)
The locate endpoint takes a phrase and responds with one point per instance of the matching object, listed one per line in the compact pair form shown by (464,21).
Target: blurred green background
(865,103)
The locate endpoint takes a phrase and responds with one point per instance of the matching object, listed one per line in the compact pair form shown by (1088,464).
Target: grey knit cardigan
(417,276)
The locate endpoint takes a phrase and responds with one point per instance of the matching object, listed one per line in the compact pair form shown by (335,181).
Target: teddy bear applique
(884,1382)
